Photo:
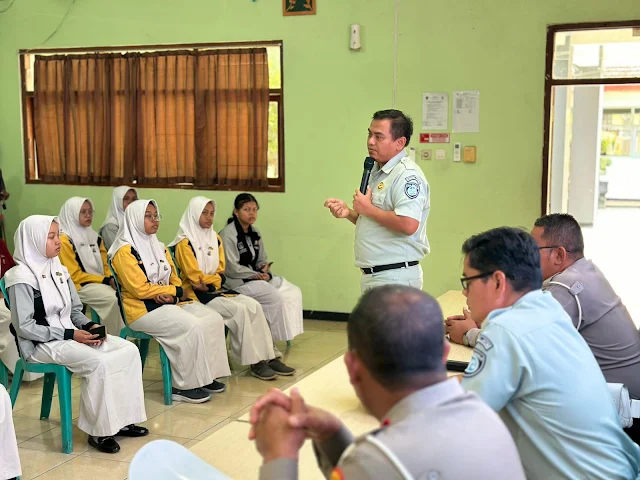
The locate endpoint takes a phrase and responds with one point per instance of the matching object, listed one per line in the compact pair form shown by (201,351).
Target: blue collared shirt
(532,367)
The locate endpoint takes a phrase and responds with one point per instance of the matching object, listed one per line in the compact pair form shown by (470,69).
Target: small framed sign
(298,7)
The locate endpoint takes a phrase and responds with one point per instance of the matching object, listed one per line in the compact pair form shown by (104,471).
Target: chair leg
(166,376)
(64,394)
(4,375)
(288,343)
(47,394)
(95,318)
(144,351)
(16,382)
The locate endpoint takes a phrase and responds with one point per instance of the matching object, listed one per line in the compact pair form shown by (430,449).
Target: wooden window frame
(275,95)
(550,82)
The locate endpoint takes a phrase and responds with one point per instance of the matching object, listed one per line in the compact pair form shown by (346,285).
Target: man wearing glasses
(532,366)
(586,295)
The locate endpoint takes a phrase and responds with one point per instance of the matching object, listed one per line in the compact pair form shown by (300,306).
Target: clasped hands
(362,205)
(280,424)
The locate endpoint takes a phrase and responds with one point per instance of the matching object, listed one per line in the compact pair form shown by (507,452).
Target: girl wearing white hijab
(248,271)
(46,314)
(84,255)
(155,303)
(120,200)
(200,258)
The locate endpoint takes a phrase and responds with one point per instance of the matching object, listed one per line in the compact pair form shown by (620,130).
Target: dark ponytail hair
(239,202)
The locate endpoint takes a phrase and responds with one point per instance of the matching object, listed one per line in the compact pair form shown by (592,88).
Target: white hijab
(115,215)
(40,272)
(84,239)
(150,249)
(204,241)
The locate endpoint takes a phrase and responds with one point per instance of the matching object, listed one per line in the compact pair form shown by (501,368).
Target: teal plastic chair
(51,372)
(143,343)
(4,375)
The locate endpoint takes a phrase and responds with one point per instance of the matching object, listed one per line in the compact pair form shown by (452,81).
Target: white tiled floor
(39,441)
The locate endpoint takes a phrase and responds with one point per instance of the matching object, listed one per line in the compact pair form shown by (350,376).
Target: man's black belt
(391,266)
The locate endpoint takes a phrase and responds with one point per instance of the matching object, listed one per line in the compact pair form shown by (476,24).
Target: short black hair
(397,331)
(563,230)
(401,124)
(238,203)
(510,250)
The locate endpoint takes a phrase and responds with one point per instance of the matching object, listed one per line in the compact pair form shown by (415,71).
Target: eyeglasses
(87,212)
(465,281)
(555,246)
(154,218)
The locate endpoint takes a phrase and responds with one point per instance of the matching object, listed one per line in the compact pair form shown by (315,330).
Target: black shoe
(195,395)
(104,444)
(214,387)
(133,431)
(263,371)
(280,368)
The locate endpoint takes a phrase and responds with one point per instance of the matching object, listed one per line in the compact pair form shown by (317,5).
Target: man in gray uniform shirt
(396,363)
(391,218)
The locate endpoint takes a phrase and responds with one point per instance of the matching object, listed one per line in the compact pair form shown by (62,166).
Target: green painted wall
(497,47)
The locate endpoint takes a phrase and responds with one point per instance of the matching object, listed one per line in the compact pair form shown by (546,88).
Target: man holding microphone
(391,215)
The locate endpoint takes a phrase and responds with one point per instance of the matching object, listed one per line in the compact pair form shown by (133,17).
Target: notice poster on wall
(466,111)
(435,111)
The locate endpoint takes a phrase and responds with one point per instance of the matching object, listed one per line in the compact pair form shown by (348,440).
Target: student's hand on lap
(87,338)
(458,325)
(201,286)
(183,298)
(112,283)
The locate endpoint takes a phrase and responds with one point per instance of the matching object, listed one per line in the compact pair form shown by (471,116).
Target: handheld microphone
(368,166)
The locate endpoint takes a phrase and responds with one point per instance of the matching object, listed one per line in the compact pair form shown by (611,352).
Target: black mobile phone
(456,366)
(101,330)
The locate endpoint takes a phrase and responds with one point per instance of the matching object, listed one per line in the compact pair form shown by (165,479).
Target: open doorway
(592,144)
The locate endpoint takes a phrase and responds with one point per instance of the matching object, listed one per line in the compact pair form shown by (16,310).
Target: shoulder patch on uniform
(336,474)
(478,360)
(412,188)
(485,342)
(577,287)
(411,177)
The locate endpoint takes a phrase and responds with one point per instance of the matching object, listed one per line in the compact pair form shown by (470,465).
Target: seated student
(248,271)
(200,258)
(8,347)
(532,366)
(9,458)
(46,317)
(85,257)
(155,303)
(120,200)
(396,365)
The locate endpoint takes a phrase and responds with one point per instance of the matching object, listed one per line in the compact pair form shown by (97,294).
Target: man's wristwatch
(465,338)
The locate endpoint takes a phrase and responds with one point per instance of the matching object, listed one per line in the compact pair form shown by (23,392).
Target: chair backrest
(118,293)
(172,251)
(3,289)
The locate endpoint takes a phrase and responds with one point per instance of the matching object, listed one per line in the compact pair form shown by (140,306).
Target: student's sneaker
(280,368)
(263,371)
(195,395)
(214,387)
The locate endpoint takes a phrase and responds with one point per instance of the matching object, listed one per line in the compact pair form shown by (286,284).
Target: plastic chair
(51,372)
(143,345)
(4,375)
(167,460)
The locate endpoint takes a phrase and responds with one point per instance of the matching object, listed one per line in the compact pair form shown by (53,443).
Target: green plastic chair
(4,375)
(51,372)
(143,343)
